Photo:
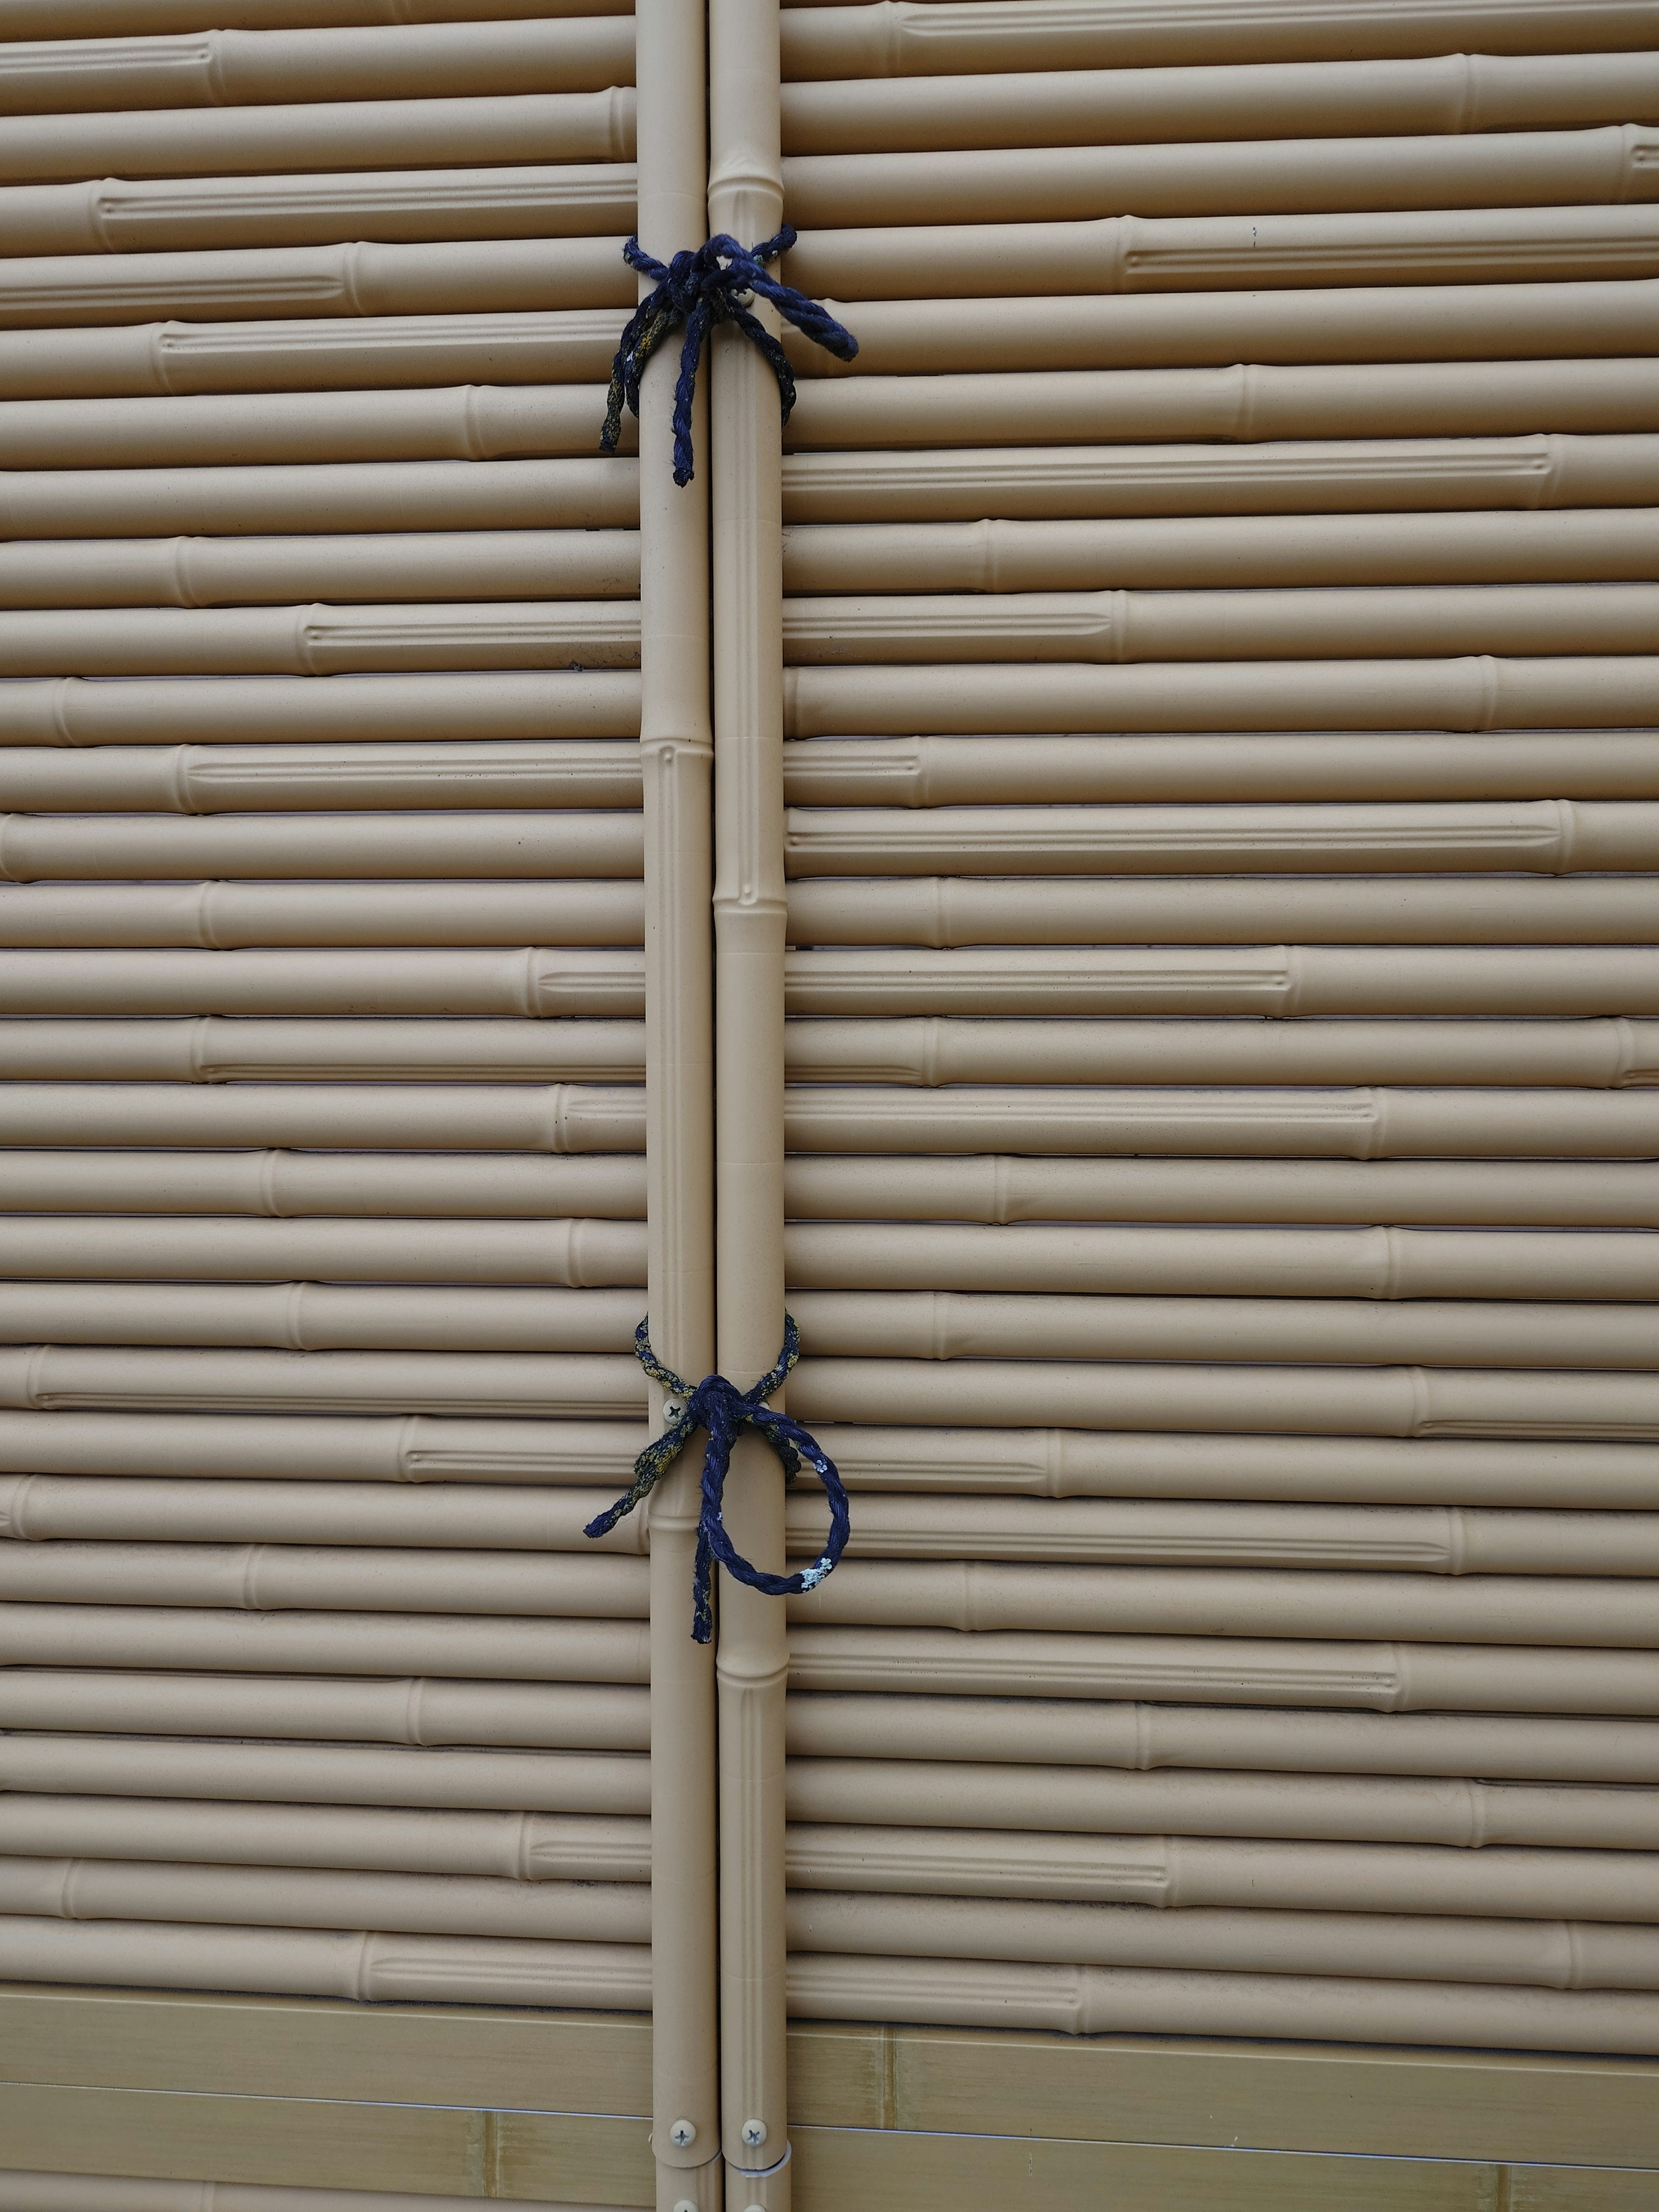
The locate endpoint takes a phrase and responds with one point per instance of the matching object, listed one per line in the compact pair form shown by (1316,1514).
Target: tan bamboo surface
(296,136)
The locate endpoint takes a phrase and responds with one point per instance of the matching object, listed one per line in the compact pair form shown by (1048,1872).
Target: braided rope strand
(724,1411)
(714,284)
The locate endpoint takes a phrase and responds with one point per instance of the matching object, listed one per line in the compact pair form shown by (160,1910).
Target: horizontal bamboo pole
(897,39)
(210,571)
(1145,2001)
(1008,1461)
(1284,764)
(1389,1401)
(1000,106)
(1037,482)
(1472,692)
(561,772)
(65,19)
(210,1248)
(369,1968)
(271,1182)
(205,1048)
(1452,1541)
(288,1897)
(953,1325)
(1244,401)
(526,494)
(1313,624)
(497,706)
(558,1385)
(233,68)
(282,1576)
(468,1117)
(1375,322)
(342,1316)
(1601,544)
(416,1709)
(294,136)
(939,1050)
(1386,1677)
(322,640)
(545,842)
(1200,1871)
(1266,176)
(1061,1464)
(329,1773)
(347,430)
(1021,1731)
(563,346)
(835,1118)
(1251,980)
(1544,1953)
(1359,1124)
(997,1188)
(1362,1809)
(520,1846)
(922,1050)
(478,1647)
(111,215)
(232,914)
(441,979)
(80,2192)
(972,1593)
(1272,980)
(335,1447)
(1118,253)
(477,276)
(135,1509)
(1552,835)
(1087,909)
(1172,1259)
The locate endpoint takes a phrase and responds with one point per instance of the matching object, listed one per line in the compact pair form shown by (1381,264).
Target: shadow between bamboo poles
(746,201)
(677,750)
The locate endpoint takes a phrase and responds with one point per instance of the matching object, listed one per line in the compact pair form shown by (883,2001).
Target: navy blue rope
(712,285)
(724,1411)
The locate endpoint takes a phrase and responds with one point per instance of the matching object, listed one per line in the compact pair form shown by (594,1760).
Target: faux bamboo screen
(325,1238)
(1214,713)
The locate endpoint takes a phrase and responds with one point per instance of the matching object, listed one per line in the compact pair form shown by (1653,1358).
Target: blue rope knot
(712,285)
(723,1410)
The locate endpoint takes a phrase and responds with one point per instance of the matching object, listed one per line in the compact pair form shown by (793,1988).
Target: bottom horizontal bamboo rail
(1025,1731)
(514,1846)
(1119,2001)
(1386,1677)
(370,1968)
(1557,1955)
(1171,1872)
(120,2192)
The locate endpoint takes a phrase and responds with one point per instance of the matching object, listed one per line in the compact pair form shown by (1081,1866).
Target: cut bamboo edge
(84,2192)
(1007,1462)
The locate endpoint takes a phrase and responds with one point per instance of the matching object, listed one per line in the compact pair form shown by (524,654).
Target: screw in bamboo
(745,201)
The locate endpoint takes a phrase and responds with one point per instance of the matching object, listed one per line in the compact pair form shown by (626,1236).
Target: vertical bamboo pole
(746,200)
(677,751)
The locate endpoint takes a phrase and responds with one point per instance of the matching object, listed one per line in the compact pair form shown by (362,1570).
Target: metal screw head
(671,1409)
(682,2133)
(754,2133)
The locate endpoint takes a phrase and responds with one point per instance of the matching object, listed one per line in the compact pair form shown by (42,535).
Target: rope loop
(714,284)
(724,1411)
